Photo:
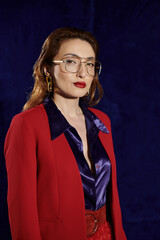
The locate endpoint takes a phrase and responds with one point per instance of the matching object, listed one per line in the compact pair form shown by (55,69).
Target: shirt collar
(58,124)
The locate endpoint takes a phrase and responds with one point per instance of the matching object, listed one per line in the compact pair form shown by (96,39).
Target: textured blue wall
(129,35)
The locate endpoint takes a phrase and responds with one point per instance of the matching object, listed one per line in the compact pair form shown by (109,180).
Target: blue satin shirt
(94,185)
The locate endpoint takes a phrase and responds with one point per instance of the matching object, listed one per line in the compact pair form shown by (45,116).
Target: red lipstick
(80,84)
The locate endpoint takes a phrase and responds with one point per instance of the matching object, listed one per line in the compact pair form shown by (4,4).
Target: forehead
(78,47)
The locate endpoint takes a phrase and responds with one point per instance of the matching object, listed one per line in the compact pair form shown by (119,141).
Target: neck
(68,106)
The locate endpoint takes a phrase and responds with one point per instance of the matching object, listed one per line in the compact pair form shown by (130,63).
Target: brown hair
(49,50)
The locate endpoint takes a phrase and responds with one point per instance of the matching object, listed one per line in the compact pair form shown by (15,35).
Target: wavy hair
(49,50)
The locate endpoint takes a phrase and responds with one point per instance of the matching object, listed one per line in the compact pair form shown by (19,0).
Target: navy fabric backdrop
(129,35)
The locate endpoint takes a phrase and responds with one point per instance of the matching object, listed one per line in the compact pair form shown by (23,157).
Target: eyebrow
(75,55)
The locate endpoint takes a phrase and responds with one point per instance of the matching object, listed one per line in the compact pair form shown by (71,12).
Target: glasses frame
(65,60)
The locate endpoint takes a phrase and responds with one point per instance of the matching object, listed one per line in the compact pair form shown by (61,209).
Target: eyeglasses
(73,64)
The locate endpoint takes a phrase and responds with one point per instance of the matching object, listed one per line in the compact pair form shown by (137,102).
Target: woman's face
(67,84)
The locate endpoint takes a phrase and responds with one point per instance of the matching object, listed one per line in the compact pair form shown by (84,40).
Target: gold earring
(49,83)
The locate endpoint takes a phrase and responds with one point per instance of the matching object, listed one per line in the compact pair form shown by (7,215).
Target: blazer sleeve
(21,165)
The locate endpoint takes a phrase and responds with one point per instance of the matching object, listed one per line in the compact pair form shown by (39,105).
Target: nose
(82,70)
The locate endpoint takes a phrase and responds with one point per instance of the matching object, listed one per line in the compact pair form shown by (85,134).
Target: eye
(90,64)
(70,61)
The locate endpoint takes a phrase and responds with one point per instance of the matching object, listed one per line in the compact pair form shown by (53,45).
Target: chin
(73,95)
(71,91)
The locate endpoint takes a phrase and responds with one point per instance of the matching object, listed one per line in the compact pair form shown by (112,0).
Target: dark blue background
(129,35)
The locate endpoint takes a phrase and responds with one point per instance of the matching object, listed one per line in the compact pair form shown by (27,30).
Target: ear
(46,71)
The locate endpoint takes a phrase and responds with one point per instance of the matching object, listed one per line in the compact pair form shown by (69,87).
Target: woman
(59,154)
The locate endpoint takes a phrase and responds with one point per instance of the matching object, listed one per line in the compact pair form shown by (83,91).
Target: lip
(80,84)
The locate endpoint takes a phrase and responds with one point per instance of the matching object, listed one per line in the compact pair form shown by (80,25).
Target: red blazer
(45,192)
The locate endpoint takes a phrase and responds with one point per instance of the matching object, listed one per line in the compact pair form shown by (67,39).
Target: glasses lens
(72,64)
(93,67)
(98,67)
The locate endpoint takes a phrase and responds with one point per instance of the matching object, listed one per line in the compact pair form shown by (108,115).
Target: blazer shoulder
(33,118)
(101,115)
(32,115)
(28,123)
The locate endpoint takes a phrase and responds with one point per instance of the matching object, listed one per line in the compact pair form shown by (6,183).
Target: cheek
(56,72)
(90,82)
(60,76)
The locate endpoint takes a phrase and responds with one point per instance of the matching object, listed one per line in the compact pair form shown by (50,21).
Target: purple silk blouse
(94,185)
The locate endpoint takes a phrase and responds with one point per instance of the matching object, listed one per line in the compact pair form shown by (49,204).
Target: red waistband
(94,219)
